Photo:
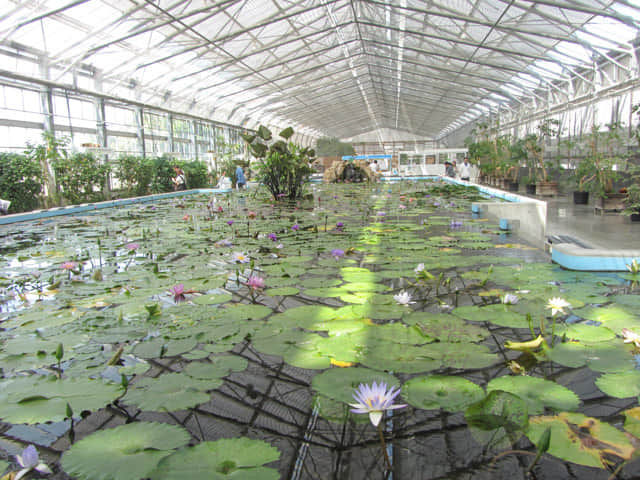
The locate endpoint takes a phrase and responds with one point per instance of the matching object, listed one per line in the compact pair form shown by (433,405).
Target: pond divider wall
(89,207)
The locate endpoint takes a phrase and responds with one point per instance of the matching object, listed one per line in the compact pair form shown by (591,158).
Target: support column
(170,142)
(140,126)
(46,100)
(101,136)
(194,140)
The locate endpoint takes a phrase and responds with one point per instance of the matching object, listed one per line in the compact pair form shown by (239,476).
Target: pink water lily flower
(255,282)
(69,266)
(374,400)
(178,293)
(132,246)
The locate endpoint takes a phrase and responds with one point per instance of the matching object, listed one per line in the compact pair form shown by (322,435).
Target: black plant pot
(512,186)
(635,217)
(580,198)
(531,189)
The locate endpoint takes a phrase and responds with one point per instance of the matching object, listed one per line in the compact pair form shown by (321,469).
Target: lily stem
(384,446)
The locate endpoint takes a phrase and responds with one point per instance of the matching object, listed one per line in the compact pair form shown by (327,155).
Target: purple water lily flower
(229,222)
(339,225)
(337,253)
(273,237)
(295,227)
(375,400)
(455,223)
(29,460)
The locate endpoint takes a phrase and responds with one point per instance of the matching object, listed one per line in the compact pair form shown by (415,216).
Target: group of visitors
(463,172)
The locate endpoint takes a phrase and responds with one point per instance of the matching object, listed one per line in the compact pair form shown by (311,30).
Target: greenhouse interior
(319,239)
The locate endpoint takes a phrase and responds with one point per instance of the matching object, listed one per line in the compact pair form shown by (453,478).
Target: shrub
(162,174)
(282,167)
(81,177)
(196,173)
(134,173)
(20,181)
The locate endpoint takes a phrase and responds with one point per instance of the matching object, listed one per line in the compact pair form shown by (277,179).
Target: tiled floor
(610,231)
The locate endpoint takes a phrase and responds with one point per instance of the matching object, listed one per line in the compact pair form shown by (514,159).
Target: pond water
(224,337)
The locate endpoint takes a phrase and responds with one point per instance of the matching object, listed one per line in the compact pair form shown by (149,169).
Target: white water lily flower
(634,267)
(630,337)
(240,257)
(419,268)
(375,400)
(403,298)
(557,304)
(29,460)
(510,299)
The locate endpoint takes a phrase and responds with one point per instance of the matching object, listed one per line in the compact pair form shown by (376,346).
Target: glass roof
(330,67)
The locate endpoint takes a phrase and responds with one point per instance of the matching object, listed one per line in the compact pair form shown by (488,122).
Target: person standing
(179,181)
(465,170)
(240,180)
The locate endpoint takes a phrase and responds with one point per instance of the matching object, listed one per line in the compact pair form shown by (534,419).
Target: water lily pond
(216,337)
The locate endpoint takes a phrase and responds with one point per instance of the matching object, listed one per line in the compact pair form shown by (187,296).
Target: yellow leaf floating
(515,245)
(341,364)
(525,346)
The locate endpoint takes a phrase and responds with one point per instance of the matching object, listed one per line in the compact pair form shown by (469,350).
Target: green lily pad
(610,357)
(282,291)
(537,392)
(243,312)
(127,452)
(585,333)
(212,299)
(219,367)
(620,385)
(162,347)
(445,327)
(341,383)
(37,399)
(498,314)
(452,394)
(169,392)
(233,458)
(580,439)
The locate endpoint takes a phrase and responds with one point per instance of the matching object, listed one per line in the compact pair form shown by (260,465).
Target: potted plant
(535,146)
(583,176)
(608,164)
(632,200)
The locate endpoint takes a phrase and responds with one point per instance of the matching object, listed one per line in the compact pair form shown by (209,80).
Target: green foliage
(20,181)
(195,173)
(333,147)
(135,173)
(46,154)
(81,177)
(162,174)
(283,167)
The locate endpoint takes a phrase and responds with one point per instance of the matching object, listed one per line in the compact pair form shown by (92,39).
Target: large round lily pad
(620,385)
(37,399)
(341,383)
(537,392)
(452,394)
(172,391)
(233,458)
(127,452)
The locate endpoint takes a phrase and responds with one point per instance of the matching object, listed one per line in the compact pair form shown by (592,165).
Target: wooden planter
(547,189)
(613,202)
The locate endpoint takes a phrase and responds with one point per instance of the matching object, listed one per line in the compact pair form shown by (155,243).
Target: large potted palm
(535,146)
(608,163)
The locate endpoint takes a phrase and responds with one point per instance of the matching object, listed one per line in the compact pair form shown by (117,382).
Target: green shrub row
(46,175)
